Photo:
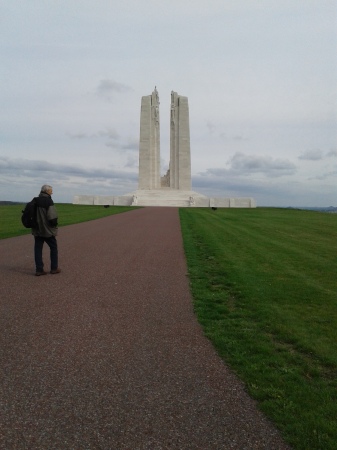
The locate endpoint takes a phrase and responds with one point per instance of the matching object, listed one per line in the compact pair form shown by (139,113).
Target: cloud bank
(261,79)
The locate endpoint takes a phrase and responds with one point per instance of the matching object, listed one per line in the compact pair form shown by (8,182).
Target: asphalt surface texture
(108,354)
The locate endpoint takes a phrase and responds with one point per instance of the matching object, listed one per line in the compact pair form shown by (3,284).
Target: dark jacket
(46,217)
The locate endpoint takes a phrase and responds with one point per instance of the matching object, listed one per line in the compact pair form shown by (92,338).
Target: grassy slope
(264,285)
(10,216)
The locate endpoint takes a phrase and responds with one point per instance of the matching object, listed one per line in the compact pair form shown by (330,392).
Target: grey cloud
(236,186)
(77,135)
(132,162)
(241,164)
(239,138)
(113,145)
(30,168)
(107,87)
(211,127)
(9,165)
(271,167)
(234,137)
(217,172)
(312,155)
(324,176)
(332,153)
(132,144)
(108,132)
(234,180)
(222,181)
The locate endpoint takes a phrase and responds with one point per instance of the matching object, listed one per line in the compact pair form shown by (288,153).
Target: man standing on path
(46,217)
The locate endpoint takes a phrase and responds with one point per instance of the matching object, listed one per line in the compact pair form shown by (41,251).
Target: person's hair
(45,188)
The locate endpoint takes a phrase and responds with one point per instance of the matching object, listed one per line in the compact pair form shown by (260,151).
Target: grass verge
(10,216)
(264,289)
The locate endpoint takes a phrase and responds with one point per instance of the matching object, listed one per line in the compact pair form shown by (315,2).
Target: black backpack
(28,218)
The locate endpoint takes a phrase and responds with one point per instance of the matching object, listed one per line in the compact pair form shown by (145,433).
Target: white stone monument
(174,188)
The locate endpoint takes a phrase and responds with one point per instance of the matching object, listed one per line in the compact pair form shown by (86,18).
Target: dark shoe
(55,271)
(39,273)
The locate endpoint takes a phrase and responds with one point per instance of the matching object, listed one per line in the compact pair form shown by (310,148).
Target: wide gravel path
(108,354)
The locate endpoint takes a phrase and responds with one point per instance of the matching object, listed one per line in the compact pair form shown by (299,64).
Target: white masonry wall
(180,153)
(184,151)
(149,143)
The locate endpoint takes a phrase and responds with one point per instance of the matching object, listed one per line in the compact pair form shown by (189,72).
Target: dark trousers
(52,243)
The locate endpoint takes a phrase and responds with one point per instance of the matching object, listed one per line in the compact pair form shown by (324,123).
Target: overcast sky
(260,77)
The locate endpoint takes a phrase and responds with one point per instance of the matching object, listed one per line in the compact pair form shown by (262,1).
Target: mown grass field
(265,290)
(10,216)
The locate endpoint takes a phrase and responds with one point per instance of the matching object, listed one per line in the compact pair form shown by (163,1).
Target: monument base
(165,197)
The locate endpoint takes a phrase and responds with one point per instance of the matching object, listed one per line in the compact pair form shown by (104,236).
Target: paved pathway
(108,354)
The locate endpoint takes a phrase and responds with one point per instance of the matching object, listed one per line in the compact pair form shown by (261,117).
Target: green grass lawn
(10,216)
(265,290)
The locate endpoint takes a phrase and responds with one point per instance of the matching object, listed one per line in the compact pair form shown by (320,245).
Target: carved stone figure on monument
(156,94)
(172,109)
(155,106)
(156,114)
(172,114)
(165,179)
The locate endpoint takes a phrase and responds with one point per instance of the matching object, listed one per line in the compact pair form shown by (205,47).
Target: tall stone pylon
(180,153)
(149,145)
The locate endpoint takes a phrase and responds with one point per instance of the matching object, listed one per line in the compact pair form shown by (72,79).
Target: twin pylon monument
(179,174)
(175,187)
